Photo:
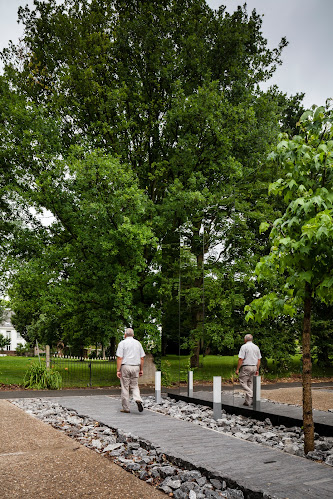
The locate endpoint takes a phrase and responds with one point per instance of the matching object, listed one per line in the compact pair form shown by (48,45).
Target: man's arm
(240,362)
(119,361)
(141,366)
(258,365)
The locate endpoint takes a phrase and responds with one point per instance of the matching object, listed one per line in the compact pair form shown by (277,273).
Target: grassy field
(76,373)
(12,369)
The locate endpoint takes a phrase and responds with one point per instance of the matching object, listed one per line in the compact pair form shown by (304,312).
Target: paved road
(252,466)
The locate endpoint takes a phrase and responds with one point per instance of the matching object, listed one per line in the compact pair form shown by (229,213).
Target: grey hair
(129,332)
(248,337)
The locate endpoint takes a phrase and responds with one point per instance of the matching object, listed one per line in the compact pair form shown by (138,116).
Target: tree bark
(197,315)
(308,425)
(194,359)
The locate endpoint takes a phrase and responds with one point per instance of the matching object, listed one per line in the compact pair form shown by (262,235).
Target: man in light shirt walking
(130,359)
(248,365)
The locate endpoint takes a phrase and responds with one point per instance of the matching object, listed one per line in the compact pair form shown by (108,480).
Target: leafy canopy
(302,239)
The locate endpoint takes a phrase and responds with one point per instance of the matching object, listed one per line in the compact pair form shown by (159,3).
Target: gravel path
(322,398)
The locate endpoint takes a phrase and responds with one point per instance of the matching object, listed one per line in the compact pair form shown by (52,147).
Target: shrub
(39,377)
(22,349)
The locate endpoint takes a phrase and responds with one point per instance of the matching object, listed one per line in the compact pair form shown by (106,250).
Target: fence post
(90,383)
(217,397)
(158,397)
(256,392)
(190,384)
(47,356)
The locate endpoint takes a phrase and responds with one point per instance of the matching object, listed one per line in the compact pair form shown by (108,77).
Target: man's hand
(140,373)
(118,374)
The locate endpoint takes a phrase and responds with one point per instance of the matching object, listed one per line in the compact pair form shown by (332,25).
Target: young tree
(302,239)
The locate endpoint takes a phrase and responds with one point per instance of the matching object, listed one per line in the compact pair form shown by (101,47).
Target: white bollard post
(217,397)
(256,392)
(158,395)
(190,384)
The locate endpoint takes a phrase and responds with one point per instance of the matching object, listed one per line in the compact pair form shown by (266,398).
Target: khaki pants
(129,381)
(246,381)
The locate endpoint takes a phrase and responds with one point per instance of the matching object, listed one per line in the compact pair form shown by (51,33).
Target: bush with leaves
(4,342)
(39,377)
(22,349)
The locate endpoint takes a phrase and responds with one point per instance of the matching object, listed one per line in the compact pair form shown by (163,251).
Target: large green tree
(302,239)
(78,278)
(171,88)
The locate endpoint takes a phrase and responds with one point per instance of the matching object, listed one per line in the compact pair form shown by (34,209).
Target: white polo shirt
(131,351)
(250,354)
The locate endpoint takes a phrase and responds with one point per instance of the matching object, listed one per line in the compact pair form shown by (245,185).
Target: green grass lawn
(214,365)
(76,373)
(177,368)
(12,369)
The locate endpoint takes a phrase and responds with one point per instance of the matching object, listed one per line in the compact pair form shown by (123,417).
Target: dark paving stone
(278,413)
(252,466)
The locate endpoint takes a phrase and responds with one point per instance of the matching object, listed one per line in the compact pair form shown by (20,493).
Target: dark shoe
(247,404)
(124,410)
(140,406)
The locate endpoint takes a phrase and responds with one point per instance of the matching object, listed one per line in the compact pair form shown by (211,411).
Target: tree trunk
(195,352)
(197,311)
(112,346)
(170,270)
(307,373)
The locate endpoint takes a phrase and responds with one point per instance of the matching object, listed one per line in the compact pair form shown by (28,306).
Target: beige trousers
(246,381)
(129,381)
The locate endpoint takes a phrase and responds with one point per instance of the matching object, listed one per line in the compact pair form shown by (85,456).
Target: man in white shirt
(248,364)
(130,359)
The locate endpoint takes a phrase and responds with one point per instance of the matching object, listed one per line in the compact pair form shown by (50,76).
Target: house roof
(6,322)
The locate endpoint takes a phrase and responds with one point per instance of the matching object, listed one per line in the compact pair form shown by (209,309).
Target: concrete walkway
(37,461)
(259,470)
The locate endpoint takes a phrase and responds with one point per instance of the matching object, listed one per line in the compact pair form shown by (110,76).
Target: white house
(7,330)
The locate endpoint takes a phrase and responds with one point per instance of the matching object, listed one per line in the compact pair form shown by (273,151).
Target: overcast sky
(307,25)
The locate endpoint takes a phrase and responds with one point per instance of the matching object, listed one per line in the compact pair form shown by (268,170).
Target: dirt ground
(37,461)
(322,398)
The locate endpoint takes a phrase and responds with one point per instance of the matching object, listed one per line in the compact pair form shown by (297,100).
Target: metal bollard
(217,397)
(158,395)
(256,392)
(190,384)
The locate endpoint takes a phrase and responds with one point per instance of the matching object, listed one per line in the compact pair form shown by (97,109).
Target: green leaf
(305,116)
(319,113)
(263,227)
(306,276)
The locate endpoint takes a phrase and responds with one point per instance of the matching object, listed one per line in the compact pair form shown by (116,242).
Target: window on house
(8,336)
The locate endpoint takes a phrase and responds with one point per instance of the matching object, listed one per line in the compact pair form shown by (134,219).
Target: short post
(90,374)
(158,396)
(190,384)
(217,397)
(256,392)
(47,356)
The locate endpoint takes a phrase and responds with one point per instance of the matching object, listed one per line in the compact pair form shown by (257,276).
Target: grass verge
(98,373)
